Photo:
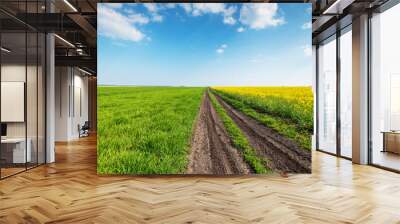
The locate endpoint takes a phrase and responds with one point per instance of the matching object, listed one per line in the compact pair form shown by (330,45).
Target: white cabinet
(19,155)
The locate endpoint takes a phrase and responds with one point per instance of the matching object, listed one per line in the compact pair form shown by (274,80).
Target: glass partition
(385,89)
(22,78)
(346,93)
(14,153)
(327,95)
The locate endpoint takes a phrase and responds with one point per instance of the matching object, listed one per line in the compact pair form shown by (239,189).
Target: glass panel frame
(26,57)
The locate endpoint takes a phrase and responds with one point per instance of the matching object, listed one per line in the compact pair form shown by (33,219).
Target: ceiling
(74,22)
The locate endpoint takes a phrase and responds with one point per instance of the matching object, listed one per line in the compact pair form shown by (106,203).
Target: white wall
(62,83)
(70,83)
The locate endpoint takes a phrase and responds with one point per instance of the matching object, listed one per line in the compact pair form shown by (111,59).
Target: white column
(360,90)
(50,99)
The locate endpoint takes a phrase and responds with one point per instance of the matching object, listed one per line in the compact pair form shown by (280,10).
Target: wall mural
(204,88)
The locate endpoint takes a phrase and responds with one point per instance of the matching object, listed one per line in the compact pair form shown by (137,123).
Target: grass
(284,114)
(258,164)
(145,130)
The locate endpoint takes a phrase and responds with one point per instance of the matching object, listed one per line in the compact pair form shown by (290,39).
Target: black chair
(84,130)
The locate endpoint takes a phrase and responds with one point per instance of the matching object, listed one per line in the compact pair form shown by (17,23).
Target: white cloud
(170,5)
(157,18)
(153,10)
(199,9)
(228,15)
(307,50)
(204,8)
(138,18)
(114,5)
(116,25)
(240,29)
(229,20)
(260,15)
(306,26)
(151,7)
(187,7)
(221,49)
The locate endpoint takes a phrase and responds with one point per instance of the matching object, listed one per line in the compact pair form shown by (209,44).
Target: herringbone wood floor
(69,191)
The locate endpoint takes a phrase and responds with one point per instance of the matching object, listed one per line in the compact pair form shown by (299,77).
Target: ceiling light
(70,5)
(86,72)
(331,7)
(337,7)
(64,40)
(79,51)
(5,50)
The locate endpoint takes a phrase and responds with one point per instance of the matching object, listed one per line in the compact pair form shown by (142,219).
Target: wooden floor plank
(69,191)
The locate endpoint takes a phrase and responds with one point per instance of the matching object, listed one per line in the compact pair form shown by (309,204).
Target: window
(385,89)
(327,96)
(346,93)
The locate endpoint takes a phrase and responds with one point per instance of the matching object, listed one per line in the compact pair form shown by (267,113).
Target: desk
(391,141)
(15,148)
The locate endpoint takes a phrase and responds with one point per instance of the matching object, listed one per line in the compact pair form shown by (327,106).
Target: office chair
(84,130)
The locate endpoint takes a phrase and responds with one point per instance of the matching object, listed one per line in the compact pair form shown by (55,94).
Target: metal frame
(338,98)
(369,90)
(26,90)
(316,96)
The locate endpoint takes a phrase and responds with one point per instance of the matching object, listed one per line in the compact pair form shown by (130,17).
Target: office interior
(48,80)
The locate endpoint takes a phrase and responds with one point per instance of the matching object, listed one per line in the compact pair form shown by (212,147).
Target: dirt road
(212,151)
(283,154)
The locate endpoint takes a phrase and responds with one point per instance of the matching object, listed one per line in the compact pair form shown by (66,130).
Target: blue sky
(214,44)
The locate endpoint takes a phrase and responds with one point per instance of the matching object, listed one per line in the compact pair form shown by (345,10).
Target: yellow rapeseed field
(284,106)
(298,95)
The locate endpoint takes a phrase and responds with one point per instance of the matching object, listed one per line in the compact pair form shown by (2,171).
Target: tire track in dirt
(211,150)
(283,154)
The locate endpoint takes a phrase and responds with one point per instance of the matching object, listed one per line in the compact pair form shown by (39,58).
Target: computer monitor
(3,129)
